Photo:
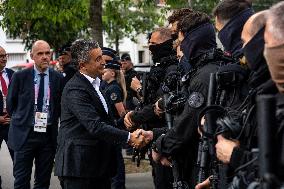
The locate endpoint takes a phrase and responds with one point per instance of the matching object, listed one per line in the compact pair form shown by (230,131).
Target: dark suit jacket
(86,137)
(20,106)
(9,73)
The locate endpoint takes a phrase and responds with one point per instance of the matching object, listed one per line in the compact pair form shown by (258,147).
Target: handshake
(140,138)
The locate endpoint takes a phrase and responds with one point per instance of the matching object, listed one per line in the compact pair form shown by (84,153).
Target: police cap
(112,65)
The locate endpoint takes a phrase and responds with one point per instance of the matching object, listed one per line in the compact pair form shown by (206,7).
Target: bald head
(253,25)
(160,35)
(38,43)
(41,55)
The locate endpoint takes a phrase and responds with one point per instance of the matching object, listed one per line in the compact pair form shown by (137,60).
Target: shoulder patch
(195,100)
(113,96)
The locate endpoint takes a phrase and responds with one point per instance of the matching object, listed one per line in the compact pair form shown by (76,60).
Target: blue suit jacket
(20,106)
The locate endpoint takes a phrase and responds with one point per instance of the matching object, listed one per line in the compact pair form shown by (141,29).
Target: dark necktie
(4,85)
(40,92)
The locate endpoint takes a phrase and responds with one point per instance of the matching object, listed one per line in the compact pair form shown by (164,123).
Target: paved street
(133,181)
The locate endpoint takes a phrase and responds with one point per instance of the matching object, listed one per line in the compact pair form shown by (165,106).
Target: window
(141,56)
(16,57)
(10,39)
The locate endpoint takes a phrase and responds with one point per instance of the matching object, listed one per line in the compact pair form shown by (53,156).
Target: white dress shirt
(96,84)
(5,76)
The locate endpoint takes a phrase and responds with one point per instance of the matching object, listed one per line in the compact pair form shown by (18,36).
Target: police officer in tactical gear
(273,52)
(197,36)
(228,151)
(230,17)
(164,58)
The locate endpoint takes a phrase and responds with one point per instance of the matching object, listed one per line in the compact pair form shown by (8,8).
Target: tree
(96,23)
(259,5)
(128,18)
(62,21)
(208,5)
(58,22)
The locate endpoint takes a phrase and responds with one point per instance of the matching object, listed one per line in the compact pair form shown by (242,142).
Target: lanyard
(36,88)
(37,91)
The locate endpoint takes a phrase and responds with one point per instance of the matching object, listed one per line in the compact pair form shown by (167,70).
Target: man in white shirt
(86,155)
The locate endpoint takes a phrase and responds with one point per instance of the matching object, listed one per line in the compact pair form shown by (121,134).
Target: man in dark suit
(33,103)
(86,157)
(5,77)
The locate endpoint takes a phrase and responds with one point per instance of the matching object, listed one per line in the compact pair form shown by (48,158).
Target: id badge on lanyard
(4,104)
(41,118)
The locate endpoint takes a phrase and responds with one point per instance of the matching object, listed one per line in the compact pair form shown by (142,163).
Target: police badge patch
(113,96)
(195,100)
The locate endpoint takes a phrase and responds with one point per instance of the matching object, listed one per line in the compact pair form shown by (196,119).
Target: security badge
(4,104)
(195,100)
(113,96)
(40,122)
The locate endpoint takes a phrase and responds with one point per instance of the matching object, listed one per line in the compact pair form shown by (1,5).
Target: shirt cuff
(128,138)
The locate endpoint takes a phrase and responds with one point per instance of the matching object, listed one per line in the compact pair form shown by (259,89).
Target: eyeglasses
(2,56)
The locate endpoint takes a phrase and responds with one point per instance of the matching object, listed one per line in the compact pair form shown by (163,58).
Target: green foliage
(58,22)
(204,6)
(128,18)
(208,5)
(259,5)
(200,5)
(175,4)
(61,21)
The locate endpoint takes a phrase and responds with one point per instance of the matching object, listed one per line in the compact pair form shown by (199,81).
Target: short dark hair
(80,50)
(227,9)
(179,14)
(192,20)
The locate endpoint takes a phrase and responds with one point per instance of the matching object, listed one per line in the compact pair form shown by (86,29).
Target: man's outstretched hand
(140,138)
(136,140)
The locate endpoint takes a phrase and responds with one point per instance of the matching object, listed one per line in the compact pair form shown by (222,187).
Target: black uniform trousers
(37,148)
